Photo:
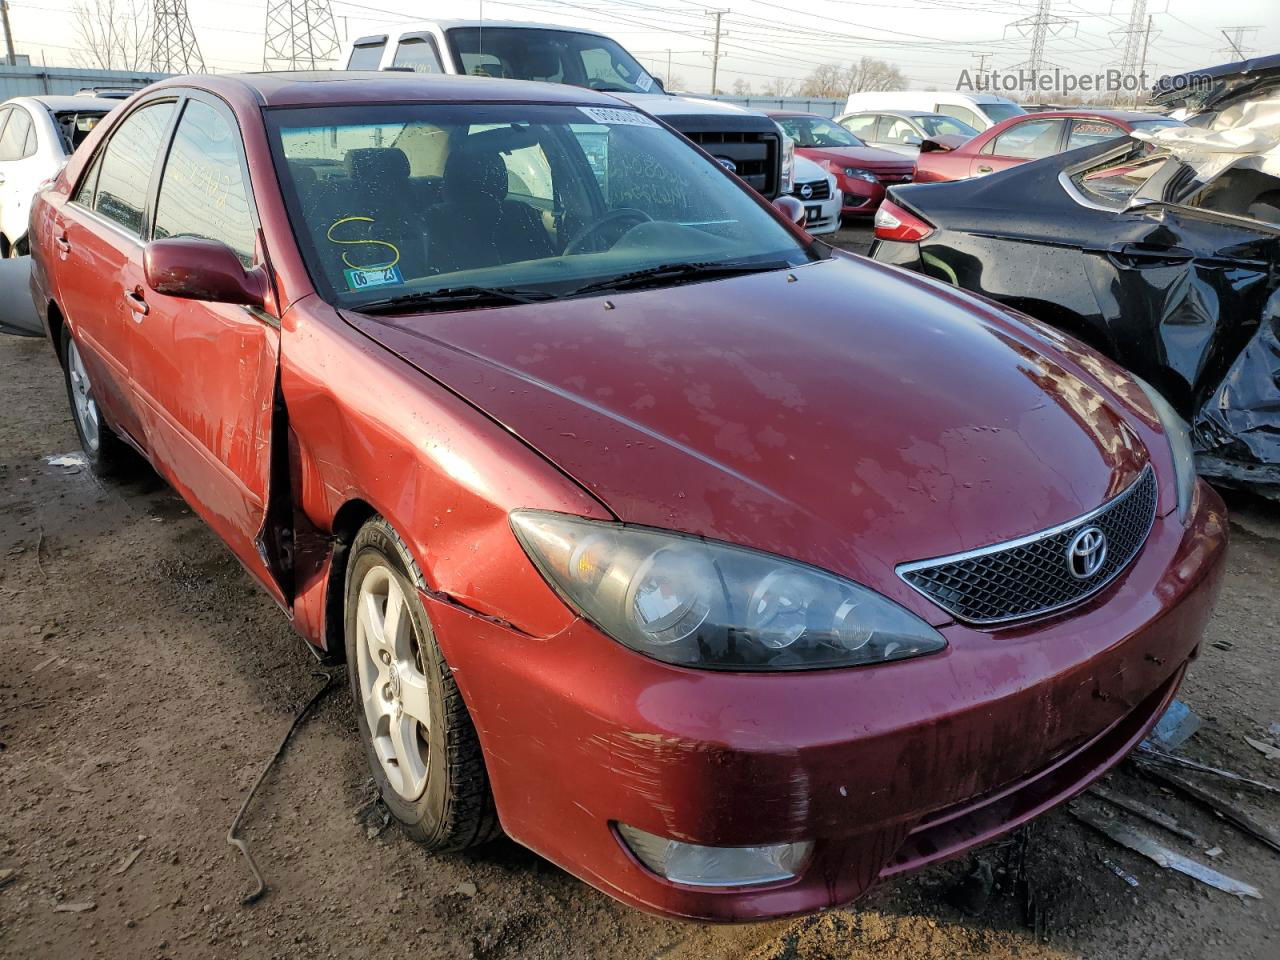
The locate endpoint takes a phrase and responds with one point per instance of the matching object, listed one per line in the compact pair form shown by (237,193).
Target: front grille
(754,155)
(821,190)
(1032,576)
(894,177)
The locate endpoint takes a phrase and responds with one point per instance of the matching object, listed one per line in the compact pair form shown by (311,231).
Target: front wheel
(418,737)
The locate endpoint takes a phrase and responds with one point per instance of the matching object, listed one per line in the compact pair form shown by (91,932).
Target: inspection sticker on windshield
(609,116)
(377,277)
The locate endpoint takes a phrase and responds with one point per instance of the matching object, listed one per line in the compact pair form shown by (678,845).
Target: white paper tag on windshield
(645,82)
(609,116)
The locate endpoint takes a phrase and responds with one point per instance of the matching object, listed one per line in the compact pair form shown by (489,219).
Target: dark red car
(710,564)
(862,172)
(1029,137)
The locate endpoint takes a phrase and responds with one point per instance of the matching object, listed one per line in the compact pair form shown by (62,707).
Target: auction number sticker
(610,116)
(377,277)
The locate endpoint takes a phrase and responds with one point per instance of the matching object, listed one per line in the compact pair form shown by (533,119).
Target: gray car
(902,131)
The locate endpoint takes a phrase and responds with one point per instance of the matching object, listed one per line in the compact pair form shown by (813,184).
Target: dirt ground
(145,681)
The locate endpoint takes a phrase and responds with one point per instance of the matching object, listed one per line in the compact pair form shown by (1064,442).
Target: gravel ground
(147,680)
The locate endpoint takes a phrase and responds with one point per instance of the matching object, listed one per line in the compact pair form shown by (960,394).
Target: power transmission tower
(1136,38)
(1236,39)
(301,35)
(715,53)
(173,42)
(1039,27)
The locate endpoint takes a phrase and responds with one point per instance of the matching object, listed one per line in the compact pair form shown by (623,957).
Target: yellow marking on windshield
(380,243)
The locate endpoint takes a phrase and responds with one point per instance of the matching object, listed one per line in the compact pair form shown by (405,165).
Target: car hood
(870,158)
(840,413)
(671,104)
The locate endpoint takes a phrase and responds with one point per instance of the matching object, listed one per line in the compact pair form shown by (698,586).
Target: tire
(18,249)
(434,780)
(107,454)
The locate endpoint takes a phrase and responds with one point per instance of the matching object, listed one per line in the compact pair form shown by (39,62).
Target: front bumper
(861,197)
(886,769)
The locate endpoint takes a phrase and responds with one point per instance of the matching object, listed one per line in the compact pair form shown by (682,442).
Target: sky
(931,41)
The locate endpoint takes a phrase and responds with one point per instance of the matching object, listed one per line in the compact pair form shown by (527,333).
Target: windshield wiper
(469,296)
(663,272)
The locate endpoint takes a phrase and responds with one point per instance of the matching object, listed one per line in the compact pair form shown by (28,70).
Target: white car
(981,111)
(37,134)
(817,190)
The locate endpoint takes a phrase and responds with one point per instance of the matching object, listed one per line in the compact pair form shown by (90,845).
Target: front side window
(963,114)
(809,131)
(127,163)
(996,112)
(1087,132)
(409,200)
(900,131)
(552,56)
(418,54)
(202,189)
(17,136)
(1029,140)
(936,125)
(367,54)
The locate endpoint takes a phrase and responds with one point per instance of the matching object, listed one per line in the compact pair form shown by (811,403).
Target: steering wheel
(589,237)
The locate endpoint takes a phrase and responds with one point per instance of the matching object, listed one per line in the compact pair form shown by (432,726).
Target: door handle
(62,243)
(137,304)
(984,169)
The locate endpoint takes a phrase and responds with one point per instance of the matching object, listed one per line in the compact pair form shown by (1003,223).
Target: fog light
(716,866)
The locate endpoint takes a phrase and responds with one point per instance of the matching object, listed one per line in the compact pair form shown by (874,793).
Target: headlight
(788,165)
(859,174)
(691,602)
(1179,435)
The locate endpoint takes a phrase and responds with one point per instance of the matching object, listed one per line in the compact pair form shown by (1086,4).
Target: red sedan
(862,172)
(1029,137)
(711,564)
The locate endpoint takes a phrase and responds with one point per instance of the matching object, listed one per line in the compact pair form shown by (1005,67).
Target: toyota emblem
(1086,553)
(806,191)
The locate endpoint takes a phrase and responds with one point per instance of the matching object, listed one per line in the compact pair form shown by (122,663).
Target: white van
(978,110)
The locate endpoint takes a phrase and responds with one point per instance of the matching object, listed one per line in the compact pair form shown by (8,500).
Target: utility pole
(667,78)
(982,59)
(11,59)
(1142,67)
(715,48)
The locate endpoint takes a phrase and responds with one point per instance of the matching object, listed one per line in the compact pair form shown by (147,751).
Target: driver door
(205,373)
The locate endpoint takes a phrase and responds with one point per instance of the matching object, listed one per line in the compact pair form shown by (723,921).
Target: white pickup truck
(746,142)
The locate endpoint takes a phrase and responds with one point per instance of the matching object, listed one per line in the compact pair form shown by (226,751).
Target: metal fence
(32,81)
(820,105)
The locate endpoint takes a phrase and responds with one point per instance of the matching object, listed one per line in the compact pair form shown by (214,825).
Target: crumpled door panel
(1190,305)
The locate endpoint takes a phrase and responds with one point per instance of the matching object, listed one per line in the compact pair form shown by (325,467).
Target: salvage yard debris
(1220,805)
(1147,812)
(1148,752)
(1139,842)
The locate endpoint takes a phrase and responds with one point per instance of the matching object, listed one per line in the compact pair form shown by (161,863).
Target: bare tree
(780,87)
(826,80)
(113,34)
(673,83)
(741,87)
(834,81)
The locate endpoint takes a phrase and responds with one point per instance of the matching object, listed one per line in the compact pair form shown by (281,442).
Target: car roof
(898,112)
(413,26)
(325,87)
(793,113)
(59,104)
(1128,116)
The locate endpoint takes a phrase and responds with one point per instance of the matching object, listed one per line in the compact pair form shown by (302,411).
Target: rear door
(206,372)
(98,236)
(1026,140)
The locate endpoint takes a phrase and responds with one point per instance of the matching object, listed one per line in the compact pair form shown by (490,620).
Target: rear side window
(1034,138)
(963,114)
(203,193)
(127,164)
(418,54)
(18,139)
(1086,132)
(366,55)
(862,126)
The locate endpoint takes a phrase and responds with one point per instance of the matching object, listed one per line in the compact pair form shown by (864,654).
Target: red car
(713,565)
(1029,137)
(861,172)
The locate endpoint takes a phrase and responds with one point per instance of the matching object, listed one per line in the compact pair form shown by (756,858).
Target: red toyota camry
(710,564)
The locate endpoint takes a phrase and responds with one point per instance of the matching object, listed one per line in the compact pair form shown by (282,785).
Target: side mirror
(933,146)
(202,270)
(912,140)
(657,82)
(792,209)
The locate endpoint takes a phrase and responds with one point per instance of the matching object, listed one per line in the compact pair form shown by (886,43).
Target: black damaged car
(1163,253)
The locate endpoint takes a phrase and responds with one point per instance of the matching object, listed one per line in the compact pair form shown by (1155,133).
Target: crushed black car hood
(1212,88)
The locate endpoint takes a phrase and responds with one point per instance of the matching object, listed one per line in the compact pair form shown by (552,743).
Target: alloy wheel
(393,687)
(82,402)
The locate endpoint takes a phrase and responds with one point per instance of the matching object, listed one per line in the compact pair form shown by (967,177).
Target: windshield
(1000,111)
(75,125)
(817,132)
(937,125)
(406,199)
(554,56)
